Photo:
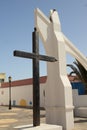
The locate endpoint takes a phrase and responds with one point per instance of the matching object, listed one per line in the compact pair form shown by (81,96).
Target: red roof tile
(22,82)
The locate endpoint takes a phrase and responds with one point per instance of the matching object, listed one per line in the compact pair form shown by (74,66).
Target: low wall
(79,100)
(80,103)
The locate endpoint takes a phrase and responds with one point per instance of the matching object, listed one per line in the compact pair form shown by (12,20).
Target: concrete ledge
(81,111)
(41,127)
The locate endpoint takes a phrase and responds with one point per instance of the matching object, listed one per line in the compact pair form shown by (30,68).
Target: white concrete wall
(18,93)
(25,92)
(4,97)
(80,104)
(79,100)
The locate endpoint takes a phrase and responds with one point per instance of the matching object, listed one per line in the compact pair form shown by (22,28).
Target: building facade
(21,92)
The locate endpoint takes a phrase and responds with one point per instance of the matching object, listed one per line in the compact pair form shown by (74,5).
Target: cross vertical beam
(36,86)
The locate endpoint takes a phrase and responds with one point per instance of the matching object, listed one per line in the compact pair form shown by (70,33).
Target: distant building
(21,92)
(2,77)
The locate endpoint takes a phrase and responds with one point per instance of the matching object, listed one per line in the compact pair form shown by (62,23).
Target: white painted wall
(79,100)
(80,104)
(25,92)
(18,93)
(4,98)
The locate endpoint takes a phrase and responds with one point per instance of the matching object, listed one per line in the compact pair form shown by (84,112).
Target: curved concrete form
(58,101)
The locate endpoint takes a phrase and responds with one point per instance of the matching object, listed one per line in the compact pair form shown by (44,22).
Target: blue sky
(17,23)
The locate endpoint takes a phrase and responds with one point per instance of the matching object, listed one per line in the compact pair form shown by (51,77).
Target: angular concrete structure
(58,101)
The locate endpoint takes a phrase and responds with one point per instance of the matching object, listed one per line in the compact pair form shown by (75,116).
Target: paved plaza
(22,116)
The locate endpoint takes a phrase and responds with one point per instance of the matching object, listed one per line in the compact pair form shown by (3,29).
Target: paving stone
(22,116)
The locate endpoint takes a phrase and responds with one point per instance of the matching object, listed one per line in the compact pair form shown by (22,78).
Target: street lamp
(9,78)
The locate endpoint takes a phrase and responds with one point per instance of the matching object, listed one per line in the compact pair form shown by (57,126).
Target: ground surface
(21,116)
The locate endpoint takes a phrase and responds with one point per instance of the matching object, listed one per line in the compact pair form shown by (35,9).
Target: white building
(22,95)
(2,77)
(21,92)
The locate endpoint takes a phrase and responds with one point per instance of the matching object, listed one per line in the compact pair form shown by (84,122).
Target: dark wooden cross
(36,89)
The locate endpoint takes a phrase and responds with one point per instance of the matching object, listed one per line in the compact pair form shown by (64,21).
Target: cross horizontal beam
(33,56)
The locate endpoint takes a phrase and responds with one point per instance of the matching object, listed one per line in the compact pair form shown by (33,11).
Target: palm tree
(80,71)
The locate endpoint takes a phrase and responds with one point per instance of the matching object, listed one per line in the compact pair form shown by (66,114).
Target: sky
(17,25)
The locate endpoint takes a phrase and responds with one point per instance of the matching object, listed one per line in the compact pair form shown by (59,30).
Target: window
(1,80)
